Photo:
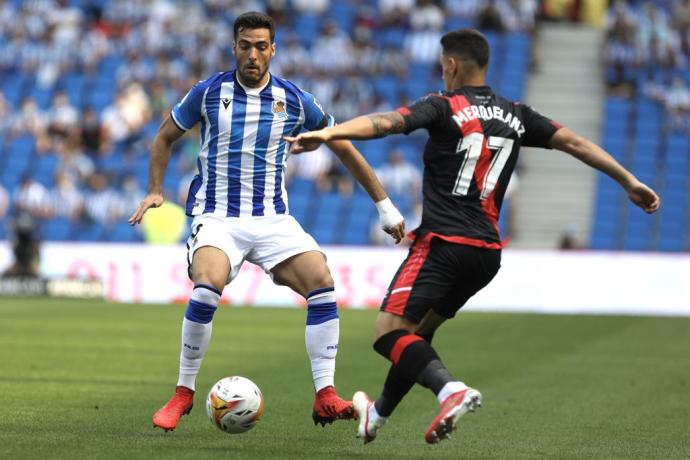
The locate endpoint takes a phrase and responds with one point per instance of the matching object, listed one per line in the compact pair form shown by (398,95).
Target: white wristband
(389,216)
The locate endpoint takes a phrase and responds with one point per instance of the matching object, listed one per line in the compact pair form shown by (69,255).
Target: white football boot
(367,429)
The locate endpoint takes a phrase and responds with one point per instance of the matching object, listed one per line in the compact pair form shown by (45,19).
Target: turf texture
(81,379)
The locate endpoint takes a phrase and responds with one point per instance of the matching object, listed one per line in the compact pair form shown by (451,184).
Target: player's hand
(397,231)
(152,200)
(644,197)
(306,142)
(391,220)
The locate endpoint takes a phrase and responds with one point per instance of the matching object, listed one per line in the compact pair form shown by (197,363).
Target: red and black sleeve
(426,112)
(538,128)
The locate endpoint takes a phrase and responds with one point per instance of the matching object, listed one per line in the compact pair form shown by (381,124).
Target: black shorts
(439,275)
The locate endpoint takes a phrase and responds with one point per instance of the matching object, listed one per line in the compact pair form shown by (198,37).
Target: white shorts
(262,240)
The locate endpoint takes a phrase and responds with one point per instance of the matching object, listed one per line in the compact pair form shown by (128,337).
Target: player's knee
(209,277)
(322,279)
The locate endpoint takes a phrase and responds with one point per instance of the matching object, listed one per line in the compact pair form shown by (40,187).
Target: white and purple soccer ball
(234,404)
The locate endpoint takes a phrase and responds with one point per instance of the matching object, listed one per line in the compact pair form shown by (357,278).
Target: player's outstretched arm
(391,220)
(596,157)
(370,126)
(161,146)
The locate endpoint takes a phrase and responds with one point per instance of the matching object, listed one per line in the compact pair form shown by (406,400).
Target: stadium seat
(88,231)
(671,234)
(44,168)
(308,27)
(56,229)
(328,218)
(123,232)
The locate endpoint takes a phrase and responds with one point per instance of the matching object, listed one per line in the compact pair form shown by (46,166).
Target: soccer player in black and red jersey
(474,140)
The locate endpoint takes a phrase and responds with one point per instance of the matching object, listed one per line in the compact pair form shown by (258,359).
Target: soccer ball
(234,404)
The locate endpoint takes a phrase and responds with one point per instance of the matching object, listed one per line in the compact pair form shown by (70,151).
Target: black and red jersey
(474,140)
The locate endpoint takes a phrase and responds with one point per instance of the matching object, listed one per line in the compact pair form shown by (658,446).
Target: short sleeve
(187,112)
(314,115)
(426,112)
(538,128)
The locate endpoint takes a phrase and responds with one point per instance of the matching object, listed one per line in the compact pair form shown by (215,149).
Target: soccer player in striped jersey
(240,207)
(475,136)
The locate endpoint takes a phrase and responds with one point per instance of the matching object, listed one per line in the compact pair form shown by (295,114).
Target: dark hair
(468,44)
(254,20)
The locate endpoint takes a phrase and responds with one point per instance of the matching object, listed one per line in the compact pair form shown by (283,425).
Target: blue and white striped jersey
(243,150)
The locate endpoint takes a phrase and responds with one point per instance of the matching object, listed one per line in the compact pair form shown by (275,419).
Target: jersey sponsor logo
(278,108)
(226,102)
(473,112)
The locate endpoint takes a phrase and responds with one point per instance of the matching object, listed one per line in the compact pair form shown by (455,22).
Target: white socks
(196,332)
(321,335)
(448,389)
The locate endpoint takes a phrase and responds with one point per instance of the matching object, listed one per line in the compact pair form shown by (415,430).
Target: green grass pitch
(81,379)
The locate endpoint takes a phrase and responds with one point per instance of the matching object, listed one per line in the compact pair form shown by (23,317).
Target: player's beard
(253,78)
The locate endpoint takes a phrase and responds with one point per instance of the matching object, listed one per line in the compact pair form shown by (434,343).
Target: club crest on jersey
(278,109)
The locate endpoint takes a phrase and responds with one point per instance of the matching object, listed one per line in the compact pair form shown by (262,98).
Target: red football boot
(454,407)
(329,407)
(180,404)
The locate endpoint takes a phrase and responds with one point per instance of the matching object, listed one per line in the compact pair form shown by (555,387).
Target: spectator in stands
(332,50)
(681,22)
(395,13)
(622,58)
(426,14)
(131,193)
(5,116)
(307,6)
(569,239)
(422,45)
(489,17)
(73,161)
(4,202)
(659,43)
(66,199)
(63,117)
(91,131)
(31,119)
(103,203)
(25,247)
(466,9)
(676,101)
(520,15)
(32,198)
(400,177)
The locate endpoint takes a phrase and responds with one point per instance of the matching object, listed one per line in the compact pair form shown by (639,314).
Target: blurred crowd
(648,54)
(85,83)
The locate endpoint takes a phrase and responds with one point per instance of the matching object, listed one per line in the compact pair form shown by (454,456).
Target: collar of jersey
(252,91)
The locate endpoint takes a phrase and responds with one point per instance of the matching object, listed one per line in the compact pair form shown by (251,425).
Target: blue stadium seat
(671,234)
(12,86)
(518,44)
(616,108)
(88,231)
(457,22)
(392,37)
(73,84)
(123,232)
(326,216)
(604,237)
(388,87)
(56,229)
(361,218)
(343,14)
(43,96)
(308,27)
(44,168)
